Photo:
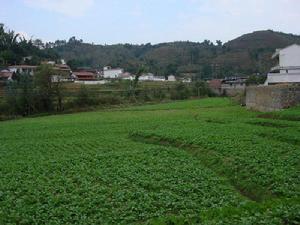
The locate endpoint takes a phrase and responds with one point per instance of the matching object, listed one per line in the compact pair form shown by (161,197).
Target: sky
(147,21)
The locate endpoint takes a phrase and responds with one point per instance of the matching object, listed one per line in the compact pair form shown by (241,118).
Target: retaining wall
(272,98)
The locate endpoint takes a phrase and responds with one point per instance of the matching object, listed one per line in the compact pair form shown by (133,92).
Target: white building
(147,77)
(126,76)
(288,68)
(110,73)
(187,80)
(171,78)
(151,77)
(159,78)
(22,69)
(91,82)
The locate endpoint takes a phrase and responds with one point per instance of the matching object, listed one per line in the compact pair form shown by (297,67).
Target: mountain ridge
(244,55)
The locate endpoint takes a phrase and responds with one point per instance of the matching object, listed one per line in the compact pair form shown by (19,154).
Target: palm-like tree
(8,39)
(11,39)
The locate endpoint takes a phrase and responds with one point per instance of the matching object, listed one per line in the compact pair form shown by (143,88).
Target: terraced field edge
(221,165)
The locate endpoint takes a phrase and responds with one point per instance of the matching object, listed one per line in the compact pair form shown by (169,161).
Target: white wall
(95,82)
(283,78)
(113,73)
(146,77)
(171,78)
(288,71)
(290,56)
(289,62)
(21,70)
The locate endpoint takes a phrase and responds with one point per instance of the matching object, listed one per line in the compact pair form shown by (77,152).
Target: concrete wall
(283,77)
(272,98)
(290,56)
(113,73)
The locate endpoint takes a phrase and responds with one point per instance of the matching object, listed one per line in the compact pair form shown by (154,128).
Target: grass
(203,161)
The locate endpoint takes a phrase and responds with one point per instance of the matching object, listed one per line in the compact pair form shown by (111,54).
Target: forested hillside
(245,55)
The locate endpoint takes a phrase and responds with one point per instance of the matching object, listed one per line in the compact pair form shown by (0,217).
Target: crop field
(206,161)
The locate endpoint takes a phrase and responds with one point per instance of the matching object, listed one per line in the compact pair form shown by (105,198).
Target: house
(84,76)
(215,83)
(147,77)
(126,76)
(112,73)
(288,66)
(216,86)
(233,86)
(159,78)
(22,69)
(186,80)
(62,68)
(171,78)
(63,73)
(49,62)
(234,82)
(5,75)
(151,77)
(92,82)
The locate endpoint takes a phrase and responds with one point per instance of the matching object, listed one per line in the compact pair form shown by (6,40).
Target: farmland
(206,161)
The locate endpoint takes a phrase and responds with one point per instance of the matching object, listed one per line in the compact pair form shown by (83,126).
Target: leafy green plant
(194,162)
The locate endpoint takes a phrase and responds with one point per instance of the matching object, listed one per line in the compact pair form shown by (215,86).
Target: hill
(244,55)
(263,39)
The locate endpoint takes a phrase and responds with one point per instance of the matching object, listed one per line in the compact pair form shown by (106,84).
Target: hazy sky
(143,21)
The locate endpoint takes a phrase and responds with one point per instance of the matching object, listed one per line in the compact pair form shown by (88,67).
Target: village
(181,112)
(87,76)
(286,71)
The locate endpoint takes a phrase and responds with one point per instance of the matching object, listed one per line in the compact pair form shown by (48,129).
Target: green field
(191,162)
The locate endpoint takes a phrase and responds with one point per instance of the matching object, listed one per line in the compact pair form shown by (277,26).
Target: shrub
(180,92)
(200,89)
(159,94)
(84,97)
(109,100)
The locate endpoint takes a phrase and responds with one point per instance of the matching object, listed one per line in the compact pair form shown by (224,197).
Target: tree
(75,63)
(219,43)
(13,49)
(20,95)
(140,71)
(39,44)
(58,92)
(43,83)
(200,88)
(84,97)
(180,92)
(207,43)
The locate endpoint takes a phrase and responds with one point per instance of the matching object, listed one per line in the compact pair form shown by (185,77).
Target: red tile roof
(84,75)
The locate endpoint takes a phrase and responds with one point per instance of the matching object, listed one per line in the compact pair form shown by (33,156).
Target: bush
(109,100)
(256,80)
(144,96)
(180,92)
(3,107)
(84,97)
(159,94)
(20,97)
(200,89)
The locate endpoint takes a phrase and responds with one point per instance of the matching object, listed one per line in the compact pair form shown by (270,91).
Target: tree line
(29,95)
(15,49)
